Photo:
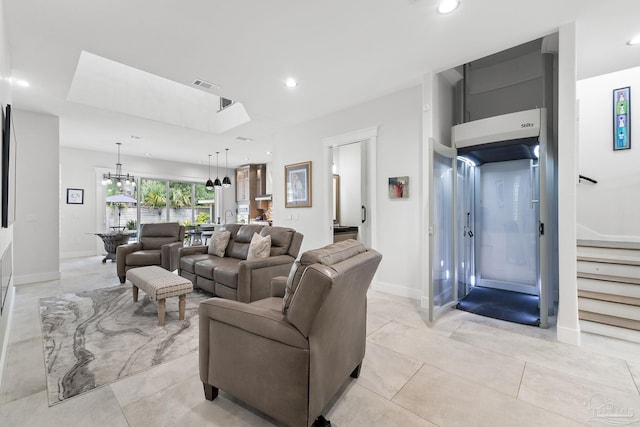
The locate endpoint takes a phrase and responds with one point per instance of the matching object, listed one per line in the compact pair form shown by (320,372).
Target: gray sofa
(288,355)
(158,245)
(234,276)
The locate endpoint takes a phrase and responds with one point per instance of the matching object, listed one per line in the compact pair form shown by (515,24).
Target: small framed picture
(297,182)
(622,118)
(75,196)
(399,187)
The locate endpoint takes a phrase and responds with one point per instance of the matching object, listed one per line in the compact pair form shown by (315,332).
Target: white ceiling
(342,52)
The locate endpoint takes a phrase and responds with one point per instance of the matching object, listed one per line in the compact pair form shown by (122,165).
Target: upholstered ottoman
(160,284)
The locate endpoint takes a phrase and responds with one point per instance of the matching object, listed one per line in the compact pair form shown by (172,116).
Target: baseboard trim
(401,291)
(568,335)
(79,254)
(35,278)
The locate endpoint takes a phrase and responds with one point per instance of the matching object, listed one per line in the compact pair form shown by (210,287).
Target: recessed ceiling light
(244,138)
(448,6)
(147,154)
(634,41)
(22,83)
(267,152)
(291,82)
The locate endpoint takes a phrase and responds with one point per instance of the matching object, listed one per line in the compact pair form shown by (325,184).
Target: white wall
(83,169)
(398,117)
(36,229)
(609,209)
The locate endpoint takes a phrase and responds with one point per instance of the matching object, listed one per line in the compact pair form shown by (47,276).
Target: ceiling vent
(205,84)
(224,103)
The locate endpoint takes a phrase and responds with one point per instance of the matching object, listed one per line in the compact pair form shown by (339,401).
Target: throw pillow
(218,243)
(260,247)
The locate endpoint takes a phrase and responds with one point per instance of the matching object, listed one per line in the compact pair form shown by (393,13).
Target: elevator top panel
(507,127)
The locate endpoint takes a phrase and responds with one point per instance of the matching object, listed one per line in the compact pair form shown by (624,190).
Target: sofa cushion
(143,257)
(227,274)
(207,267)
(280,239)
(188,262)
(218,243)
(260,247)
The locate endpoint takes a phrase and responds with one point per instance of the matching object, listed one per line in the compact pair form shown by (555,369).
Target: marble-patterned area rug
(92,338)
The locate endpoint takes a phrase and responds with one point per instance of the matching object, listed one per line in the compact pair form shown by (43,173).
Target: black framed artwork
(75,196)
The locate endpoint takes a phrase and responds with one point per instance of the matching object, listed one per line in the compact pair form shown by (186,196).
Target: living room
(394,117)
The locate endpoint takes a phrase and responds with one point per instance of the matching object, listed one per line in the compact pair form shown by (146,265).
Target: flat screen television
(7,166)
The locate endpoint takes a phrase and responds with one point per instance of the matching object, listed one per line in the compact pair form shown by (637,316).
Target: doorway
(350,166)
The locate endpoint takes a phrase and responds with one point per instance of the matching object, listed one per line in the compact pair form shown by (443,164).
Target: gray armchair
(287,355)
(158,244)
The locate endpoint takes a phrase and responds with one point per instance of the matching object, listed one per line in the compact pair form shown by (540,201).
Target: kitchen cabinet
(243,183)
(250,182)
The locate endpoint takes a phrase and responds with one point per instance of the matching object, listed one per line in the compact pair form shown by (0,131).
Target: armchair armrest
(121,254)
(254,319)
(254,276)
(169,255)
(278,286)
(258,321)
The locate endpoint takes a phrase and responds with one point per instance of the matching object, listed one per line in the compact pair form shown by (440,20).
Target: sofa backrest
(280,239)
(284,240)
(153,236)
(240,239)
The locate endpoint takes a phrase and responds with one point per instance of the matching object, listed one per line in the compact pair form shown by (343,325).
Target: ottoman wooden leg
(135,293)
(182,304)
(162,305)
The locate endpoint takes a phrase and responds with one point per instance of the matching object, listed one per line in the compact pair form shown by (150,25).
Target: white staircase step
(610,331)
(623,311)
(612,272)
(606,287)
(610,256)
(608,244)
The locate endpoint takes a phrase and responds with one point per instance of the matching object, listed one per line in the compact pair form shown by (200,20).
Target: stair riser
(630,273)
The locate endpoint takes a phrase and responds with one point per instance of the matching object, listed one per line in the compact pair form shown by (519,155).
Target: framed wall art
(75,196)
(399,187)
(622,118)
(297,182)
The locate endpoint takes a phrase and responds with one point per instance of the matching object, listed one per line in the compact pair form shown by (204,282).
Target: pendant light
(217,183)
(209,184)
(226,182)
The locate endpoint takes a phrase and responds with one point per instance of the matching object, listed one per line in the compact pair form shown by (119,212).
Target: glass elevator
(493,195)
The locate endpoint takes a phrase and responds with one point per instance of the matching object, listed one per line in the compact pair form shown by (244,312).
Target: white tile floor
(465,370)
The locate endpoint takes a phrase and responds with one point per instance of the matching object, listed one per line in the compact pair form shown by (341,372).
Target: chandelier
(120,178)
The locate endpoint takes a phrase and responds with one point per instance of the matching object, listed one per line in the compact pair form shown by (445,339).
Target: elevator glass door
(507,231)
